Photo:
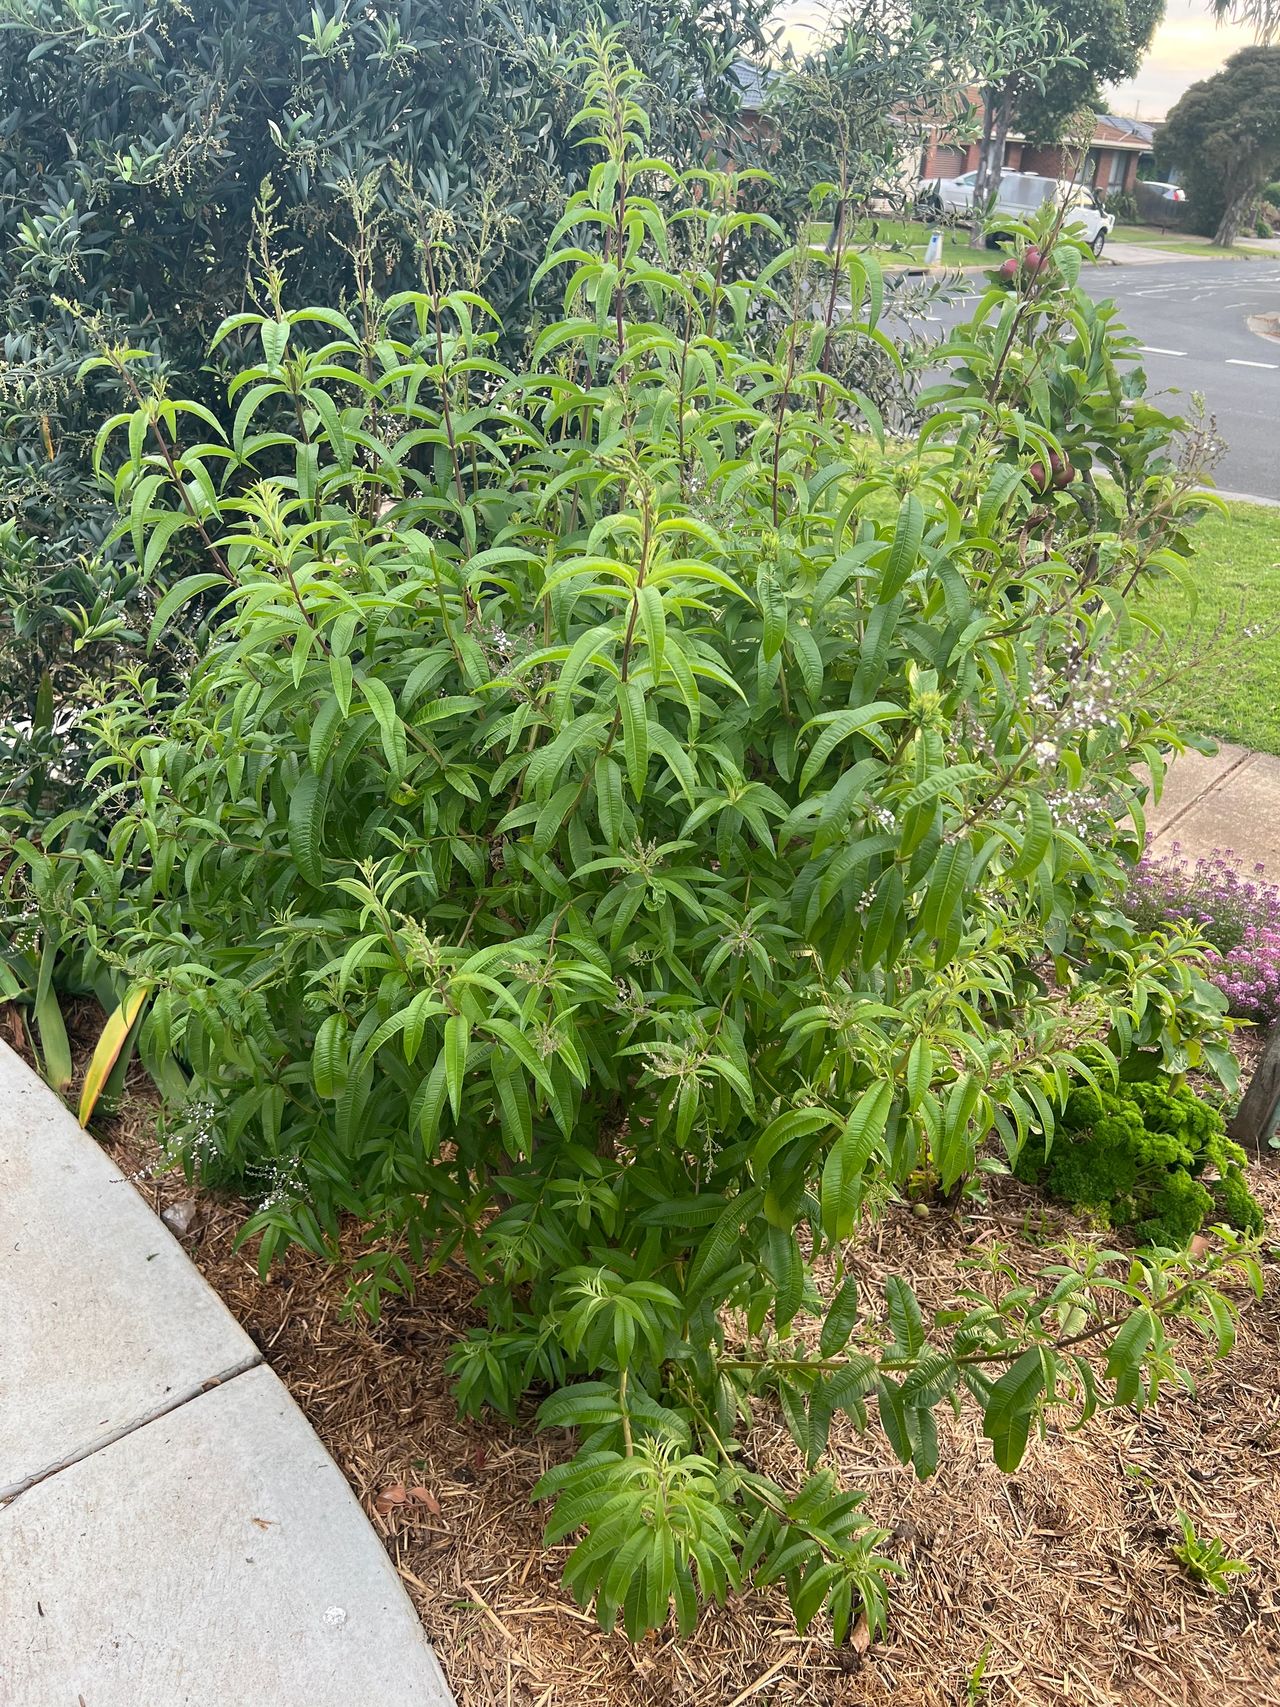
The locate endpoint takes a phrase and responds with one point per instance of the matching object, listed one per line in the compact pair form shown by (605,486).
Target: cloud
(1188,46)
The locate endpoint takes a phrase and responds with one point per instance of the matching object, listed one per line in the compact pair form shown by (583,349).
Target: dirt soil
(1053,1586)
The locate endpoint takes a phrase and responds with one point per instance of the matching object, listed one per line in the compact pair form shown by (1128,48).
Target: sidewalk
(1122,254)
(172,1532)
(1230,801)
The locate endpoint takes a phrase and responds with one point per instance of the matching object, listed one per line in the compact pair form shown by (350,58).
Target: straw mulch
(1053,1586)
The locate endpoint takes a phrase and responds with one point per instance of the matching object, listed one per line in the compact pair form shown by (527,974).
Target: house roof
(1113,131)
(1110,129)
(753,81)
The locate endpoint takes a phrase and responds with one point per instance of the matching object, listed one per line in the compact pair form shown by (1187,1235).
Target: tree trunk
(997,114)
(1233,216)
(1259,1112)
(984,167)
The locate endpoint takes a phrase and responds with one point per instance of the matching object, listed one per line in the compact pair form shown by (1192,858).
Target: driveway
(1192,322)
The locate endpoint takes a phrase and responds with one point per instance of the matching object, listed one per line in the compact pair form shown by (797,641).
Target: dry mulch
(1050,1587)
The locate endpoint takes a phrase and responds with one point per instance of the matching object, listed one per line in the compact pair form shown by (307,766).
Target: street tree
(1264,15)
(1083,44)
(1223,137)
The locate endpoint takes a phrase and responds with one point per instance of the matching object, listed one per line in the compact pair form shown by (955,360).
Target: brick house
(1117,148)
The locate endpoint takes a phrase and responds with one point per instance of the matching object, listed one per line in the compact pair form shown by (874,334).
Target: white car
(1158,191)
(1022,193)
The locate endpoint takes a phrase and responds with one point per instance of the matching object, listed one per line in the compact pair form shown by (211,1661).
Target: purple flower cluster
(1238,914)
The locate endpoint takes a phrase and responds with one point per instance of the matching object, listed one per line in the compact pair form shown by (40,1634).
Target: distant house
(753,83)
(1118,147)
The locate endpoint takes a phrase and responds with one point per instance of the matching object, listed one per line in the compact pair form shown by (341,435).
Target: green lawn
(902,242)
(1151,237)
(1230,685)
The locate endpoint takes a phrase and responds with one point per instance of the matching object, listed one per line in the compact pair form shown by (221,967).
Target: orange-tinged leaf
(109,1045)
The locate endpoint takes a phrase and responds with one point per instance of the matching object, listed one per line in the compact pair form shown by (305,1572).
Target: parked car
(1161,204)
(1022,193)
(1160,192)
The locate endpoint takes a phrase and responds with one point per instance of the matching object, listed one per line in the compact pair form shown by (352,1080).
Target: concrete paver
(1192,775)
(214,1558)
(1230,801)
(104,1323)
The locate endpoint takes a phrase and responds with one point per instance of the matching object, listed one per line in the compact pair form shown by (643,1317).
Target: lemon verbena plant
(625,820)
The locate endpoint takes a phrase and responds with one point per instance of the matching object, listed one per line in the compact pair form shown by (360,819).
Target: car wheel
(1098,242)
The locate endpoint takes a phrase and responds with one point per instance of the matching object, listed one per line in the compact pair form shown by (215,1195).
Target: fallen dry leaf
(425,1497)
(394,1494)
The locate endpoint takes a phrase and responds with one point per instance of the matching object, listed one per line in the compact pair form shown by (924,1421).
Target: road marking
(1234,361)
(1155,350)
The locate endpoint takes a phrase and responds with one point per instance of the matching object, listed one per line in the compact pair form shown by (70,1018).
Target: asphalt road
(1191,319)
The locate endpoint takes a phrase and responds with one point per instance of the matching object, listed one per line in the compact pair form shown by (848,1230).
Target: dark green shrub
(134,136)
(1137,1155)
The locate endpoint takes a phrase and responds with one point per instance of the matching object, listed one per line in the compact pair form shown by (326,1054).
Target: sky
(1187,47)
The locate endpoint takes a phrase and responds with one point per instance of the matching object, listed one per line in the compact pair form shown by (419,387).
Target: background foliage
(134,138)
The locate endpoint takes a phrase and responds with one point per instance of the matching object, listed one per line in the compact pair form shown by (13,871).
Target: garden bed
(1054,1586)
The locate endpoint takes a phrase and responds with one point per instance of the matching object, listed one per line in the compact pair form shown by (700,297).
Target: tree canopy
(1108,40)
(1224,138)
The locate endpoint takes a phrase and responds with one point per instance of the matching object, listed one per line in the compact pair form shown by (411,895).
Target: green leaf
(904,1317)
(394,744)
(54,1045)
(1006,1421)
(275,340)
(904,553)
(329,1056)
(837,726)
(635,735)
(1005,480)
(840,1319)
(948,879)
(1036,837)
(307,806)
(457,1044)
(842,1176)
(654,623)
(190,587)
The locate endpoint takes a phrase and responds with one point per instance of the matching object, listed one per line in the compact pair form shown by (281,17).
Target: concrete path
(1230,801)
(172,1532)
(1122,254)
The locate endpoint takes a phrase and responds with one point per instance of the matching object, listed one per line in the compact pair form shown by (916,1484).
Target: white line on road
(1155,350)
(1234,361)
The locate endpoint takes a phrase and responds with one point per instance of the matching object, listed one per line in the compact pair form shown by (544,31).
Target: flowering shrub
(1238,914)
(608,835)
